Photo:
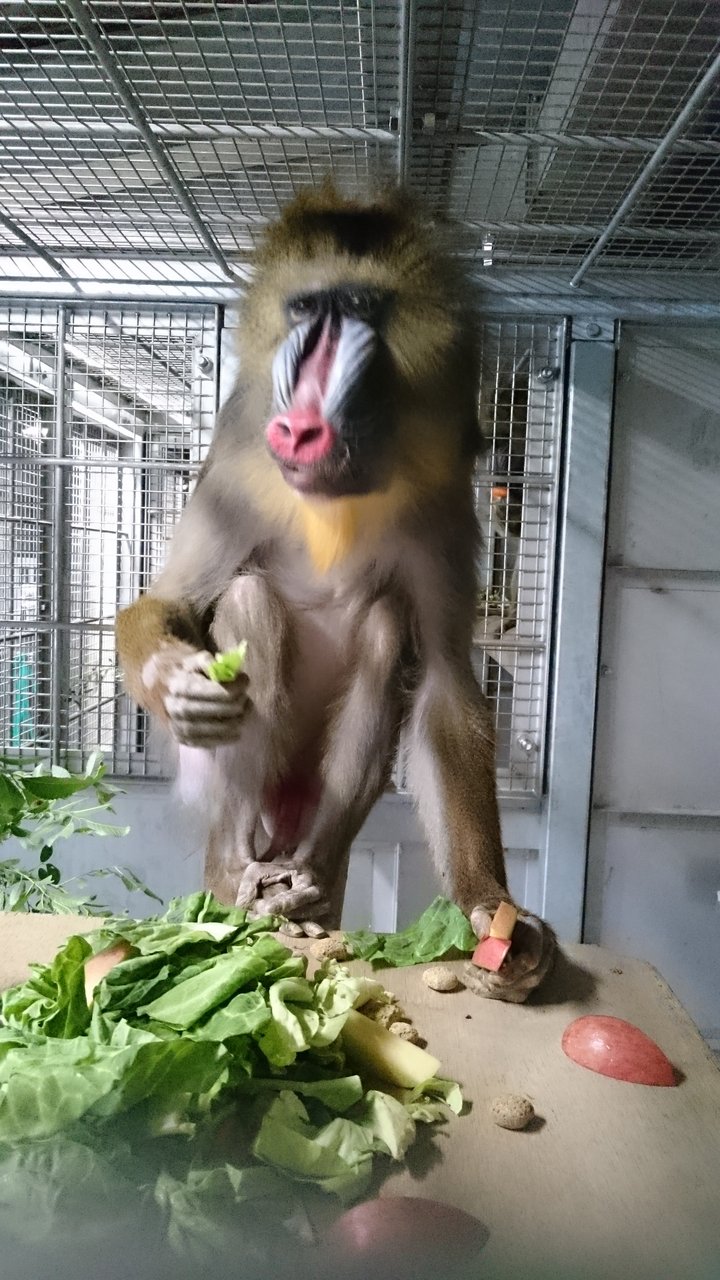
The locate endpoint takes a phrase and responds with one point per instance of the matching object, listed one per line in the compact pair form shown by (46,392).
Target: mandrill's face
(359,367)
(332,380)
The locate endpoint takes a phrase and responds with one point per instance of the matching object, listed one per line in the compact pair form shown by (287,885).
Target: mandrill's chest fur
(324,611)
(324,617)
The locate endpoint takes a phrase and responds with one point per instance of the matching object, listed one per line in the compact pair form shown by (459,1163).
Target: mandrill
(333,528)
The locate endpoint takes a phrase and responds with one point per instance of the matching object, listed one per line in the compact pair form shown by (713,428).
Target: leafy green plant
(39,805)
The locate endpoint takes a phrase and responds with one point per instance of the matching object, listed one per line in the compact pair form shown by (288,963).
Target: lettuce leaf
(440,930)
(45,1087)
(189,1000)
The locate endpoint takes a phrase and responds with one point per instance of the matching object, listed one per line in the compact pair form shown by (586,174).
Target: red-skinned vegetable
(402,1238)
(615,1048)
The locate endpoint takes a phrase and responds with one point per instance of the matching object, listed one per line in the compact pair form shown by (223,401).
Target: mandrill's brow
(358,301)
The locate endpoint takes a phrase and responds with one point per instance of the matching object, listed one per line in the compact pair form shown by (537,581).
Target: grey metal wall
(654,860)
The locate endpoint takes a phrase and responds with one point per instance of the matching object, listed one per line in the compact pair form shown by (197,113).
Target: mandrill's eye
(366,304)
(302,308)
(360,306)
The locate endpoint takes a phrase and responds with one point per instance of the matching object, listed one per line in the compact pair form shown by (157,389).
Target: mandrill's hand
(199,711)
(530,958)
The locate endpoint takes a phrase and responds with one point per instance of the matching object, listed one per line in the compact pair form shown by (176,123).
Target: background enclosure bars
(104,417)
(144,146)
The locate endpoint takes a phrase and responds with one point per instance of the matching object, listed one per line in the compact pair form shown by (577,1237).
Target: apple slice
(402,1237)
(616,1048)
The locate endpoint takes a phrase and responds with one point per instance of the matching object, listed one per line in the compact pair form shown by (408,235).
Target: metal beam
(37,249)
(172,132)
(406,87)
(683,235)
(692,106)
(78,253)
(88,26)
(469,137)
(60,604)
(578,595)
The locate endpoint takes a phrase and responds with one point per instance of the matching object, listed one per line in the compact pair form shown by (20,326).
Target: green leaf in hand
(226,666)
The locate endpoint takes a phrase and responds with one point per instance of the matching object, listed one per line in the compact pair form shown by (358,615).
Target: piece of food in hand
(98,966)
(491,951)
(401,1238)
(329,949)
(504,921)
(512,1111)
(439,978)
(615,1048)
(372,1048)
(225,667)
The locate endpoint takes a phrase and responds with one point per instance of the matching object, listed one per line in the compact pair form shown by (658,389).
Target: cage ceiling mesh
(150,143)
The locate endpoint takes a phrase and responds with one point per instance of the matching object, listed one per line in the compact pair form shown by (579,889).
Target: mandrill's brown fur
(335,532)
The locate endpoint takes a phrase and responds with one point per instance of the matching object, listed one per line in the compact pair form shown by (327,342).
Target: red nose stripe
(314,371)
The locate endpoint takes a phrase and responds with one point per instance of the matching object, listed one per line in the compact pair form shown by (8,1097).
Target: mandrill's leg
(241,771)
(451,768)
(358,758)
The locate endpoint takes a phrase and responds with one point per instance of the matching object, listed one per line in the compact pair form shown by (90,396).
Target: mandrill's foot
(281,888)
(531,957)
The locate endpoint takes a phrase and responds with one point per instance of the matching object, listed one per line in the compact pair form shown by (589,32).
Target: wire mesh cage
(148,144)
(103,419)
(516,496)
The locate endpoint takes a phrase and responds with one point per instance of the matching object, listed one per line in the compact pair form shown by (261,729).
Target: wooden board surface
(611,1181)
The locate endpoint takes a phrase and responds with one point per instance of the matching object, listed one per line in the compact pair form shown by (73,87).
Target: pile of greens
(206,1072)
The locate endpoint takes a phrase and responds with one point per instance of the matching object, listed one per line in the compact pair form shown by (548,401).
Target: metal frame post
(406,87)
(591,382)
(60,586)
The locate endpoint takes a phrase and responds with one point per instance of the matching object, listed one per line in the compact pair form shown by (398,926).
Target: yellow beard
(333,527)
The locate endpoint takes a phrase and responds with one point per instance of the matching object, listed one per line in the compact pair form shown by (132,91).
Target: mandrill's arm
(161,638)
(451,770)
(451,765)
